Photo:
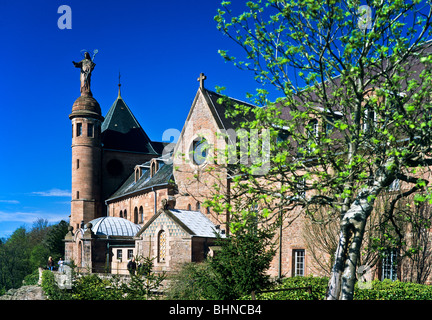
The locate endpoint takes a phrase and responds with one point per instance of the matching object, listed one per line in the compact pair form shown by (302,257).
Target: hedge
(380,290)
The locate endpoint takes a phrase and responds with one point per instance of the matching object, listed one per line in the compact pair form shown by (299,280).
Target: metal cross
(201,79)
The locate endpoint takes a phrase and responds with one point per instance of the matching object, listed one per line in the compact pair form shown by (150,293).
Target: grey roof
(195,221)
(114,226)
(162,177)
(223,112)
(121,131)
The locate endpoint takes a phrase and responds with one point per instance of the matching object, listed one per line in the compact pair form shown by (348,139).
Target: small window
(198,206)
(125,214)
(77,194)
(90,130)
(299,262)
(208,210)
(130,254)
(282,136)
(313,131)
(77,164)
(119,254)
(78,129)
(369,120)
(121,213)
(189,207)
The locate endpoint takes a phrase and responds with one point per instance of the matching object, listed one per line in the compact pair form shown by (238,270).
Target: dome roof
(114,226)
(86,105)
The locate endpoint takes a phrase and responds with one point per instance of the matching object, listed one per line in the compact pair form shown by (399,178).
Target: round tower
(86,120)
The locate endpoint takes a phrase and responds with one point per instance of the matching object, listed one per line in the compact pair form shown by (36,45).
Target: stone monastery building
(132,197)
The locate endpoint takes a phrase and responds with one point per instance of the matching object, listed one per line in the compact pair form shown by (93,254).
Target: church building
(125,197)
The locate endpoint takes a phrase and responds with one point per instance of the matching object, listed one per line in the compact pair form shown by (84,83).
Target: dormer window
(154,167)
(138,172)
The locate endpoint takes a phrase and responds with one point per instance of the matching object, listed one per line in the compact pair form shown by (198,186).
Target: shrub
(394,290)
(52,291)
(381,290)
(318,284)
(92,287)
(191,283)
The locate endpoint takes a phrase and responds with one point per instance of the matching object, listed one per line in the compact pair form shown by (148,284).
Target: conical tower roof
(121,130)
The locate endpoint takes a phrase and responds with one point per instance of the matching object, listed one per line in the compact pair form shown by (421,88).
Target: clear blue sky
(160,47)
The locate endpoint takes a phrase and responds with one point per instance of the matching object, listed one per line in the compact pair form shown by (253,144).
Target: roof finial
(201,79)
(119,85)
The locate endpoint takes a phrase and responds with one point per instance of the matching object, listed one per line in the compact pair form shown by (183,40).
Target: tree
(240,266)
(355,108)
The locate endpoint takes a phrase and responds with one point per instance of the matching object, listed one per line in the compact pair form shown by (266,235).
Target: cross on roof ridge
(201,79)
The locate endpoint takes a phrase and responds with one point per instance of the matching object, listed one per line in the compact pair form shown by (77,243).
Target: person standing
(131,266)
(50,263)
(60,264)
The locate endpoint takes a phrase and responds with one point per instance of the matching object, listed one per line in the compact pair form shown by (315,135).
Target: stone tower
(86,120)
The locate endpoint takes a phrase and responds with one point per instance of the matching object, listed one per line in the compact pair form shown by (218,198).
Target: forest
(27,249)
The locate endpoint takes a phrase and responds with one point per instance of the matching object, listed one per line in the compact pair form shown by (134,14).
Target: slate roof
(162,177)
(121,130)
(227,122)
(194,223)
(114,226)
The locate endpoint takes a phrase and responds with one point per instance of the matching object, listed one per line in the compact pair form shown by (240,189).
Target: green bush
(318,284)
(49,286)
(92,287)
(191,283)
(394,290)
(380,290)
(31,279)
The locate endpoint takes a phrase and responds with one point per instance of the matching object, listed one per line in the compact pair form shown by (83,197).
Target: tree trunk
(343,277)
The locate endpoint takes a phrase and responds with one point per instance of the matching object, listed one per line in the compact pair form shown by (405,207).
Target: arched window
(121,213)
(198,206)
(161,246)
(135,219)
(141,214)
(125,214)
(189,207)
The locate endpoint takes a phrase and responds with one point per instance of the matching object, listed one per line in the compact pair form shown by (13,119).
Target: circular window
(115,167)
(200,151)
